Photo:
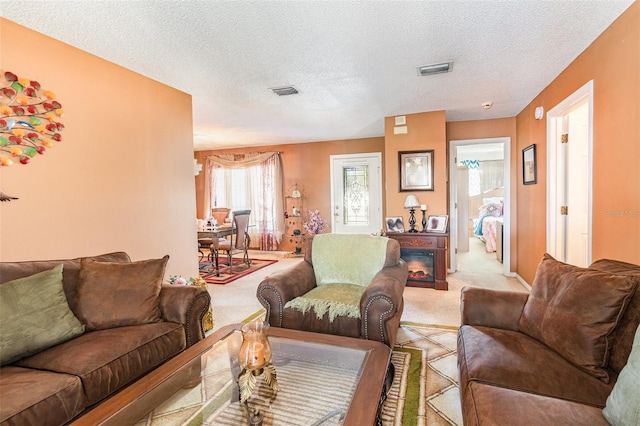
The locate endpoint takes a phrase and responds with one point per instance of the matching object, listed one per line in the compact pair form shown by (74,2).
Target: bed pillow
(491,209)
(114,294)
(34,315)
(574,311)
(623,404)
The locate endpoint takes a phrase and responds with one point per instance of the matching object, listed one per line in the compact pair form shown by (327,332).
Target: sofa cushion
(34,315)
(113,294)
(574,311)
(348,259)
(334,299)
(10,271)
(34,397)
(492,405)
(107,360)
(623,404)
(624,332)
(513,360)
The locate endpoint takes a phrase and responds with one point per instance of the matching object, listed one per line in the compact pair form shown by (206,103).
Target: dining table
(214,232)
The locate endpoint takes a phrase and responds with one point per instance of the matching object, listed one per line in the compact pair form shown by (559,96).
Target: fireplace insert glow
(421,264)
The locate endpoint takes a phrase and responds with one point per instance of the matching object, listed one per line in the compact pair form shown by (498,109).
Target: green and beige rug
(424,389)
(431,396)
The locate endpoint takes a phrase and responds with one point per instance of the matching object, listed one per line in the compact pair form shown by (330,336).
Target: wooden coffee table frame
(133,402)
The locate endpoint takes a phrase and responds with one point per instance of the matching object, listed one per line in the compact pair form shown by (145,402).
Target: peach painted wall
(425,131)
(613,63)
(306,164)
(497,128)
(122,177)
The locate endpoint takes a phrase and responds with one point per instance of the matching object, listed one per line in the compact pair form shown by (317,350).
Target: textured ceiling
(353,62)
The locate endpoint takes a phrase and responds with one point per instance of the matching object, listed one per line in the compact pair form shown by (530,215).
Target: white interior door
(356,193)
(569,141)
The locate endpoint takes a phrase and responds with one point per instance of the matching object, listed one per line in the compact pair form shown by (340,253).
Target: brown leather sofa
(380,306)
(510,374)
(56,385)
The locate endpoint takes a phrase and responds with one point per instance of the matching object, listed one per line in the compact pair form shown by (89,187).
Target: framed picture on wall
(416,170)
(529,166)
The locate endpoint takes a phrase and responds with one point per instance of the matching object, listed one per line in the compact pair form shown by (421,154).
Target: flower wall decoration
(28,119)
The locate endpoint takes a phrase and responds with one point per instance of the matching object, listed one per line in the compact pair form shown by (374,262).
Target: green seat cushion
(34,315)
(336,299)
(347,258)
(623,404)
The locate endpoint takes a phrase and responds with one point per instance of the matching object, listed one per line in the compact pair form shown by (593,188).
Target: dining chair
(208,240)
(239,240)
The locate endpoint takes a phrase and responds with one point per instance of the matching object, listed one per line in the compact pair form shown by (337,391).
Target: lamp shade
(296,192)
(411,202)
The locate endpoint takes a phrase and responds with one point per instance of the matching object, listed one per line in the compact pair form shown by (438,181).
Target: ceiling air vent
(435,68)
(284,91)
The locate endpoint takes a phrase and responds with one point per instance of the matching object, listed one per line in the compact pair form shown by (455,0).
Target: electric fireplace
(426,256)
(421,264)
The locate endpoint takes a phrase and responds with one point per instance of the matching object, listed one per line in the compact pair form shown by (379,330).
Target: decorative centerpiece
(255,359)
(315,225)
(207,319)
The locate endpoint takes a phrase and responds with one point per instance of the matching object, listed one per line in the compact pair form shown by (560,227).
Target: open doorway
(479,205)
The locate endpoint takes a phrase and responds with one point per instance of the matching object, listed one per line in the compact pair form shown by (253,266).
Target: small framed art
(529,166)
(416,170)
(394,224)
(437,223)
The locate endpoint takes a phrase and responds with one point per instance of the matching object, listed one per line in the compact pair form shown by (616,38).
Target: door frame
(453,189)
(369,155)
(554,130)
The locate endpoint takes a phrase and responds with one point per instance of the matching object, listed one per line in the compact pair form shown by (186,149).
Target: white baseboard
(523,282)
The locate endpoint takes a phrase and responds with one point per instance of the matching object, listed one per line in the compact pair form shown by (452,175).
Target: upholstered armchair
(349,285)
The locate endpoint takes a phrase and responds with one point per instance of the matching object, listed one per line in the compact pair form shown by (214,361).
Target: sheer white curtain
(252,181)
(484,175)
(491,174)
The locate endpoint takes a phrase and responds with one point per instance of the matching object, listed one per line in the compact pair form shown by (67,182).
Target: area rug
(425,386)
(240,269)
(436,384)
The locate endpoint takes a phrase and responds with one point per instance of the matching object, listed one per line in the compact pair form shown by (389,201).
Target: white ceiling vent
(435,68)
(284,91)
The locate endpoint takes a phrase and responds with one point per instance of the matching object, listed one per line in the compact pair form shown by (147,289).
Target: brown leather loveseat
(552,357)
(124,323)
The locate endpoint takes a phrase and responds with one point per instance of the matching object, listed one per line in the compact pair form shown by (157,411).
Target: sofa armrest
(381,304)
(277,289)
(185,305)
(492,308)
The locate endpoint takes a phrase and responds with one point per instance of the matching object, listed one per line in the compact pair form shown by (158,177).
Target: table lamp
(412,203)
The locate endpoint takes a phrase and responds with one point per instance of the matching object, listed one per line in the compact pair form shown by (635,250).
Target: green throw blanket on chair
(344,265)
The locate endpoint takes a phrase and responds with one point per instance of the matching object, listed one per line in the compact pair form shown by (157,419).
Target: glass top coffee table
(323,380)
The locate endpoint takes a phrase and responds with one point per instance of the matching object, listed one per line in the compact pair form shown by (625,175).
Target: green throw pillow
(34,315)
(623,404)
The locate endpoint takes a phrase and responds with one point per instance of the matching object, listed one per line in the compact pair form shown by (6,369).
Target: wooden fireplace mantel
(431,241)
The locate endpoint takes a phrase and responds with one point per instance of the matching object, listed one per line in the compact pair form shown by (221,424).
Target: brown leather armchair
(376,307)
